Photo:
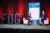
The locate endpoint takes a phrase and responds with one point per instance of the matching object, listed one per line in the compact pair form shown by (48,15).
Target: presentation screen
(34,10)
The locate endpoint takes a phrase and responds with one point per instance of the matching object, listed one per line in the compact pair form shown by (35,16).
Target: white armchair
(40,21)
(25,21)
(45,21)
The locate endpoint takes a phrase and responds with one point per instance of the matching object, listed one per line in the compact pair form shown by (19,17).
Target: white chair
(25,21)
(46,21)
(40,21)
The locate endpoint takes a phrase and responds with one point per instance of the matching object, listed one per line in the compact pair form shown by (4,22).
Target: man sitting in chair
(43,17)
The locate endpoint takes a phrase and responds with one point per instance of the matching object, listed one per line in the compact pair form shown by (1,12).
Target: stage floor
(21,26)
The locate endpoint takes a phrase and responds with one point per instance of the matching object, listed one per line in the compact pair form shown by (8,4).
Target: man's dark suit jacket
(45,17)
